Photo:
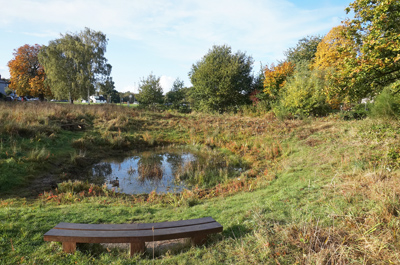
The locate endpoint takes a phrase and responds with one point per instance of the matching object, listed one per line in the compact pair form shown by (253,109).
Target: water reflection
(102,170)
(143,173)
(169,170)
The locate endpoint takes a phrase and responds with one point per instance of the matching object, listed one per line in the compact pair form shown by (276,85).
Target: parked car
(20,99)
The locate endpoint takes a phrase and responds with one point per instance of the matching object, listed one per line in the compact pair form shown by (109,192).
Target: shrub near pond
(74,191)
(209,169)
(202,175)
(150,172)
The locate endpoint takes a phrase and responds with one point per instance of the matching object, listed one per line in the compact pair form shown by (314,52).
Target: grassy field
(318,191)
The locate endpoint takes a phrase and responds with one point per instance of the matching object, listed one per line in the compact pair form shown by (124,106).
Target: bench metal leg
(69,247)
(198,240)
(137,247)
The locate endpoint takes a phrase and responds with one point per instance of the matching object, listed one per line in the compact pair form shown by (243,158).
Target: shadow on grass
(153,249)
(236,231)
(164,247)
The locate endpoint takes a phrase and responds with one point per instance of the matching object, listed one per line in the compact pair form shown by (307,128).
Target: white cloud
(4,73)
(177,28)
(263,27)
(179,32)
(132,89)
(166,83)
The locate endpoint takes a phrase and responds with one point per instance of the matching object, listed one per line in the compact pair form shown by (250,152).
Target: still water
(170,170)
(144,173)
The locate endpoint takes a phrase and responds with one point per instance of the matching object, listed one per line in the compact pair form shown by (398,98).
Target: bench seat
(135,234)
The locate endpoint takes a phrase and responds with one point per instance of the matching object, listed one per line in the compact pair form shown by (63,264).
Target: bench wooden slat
(83,236)
(135,234)
(134,226)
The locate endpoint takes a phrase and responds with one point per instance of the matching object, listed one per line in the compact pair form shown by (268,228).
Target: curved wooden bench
(135,234)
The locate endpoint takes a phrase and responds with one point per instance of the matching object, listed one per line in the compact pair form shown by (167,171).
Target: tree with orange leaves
(26,74)
(330,51)
(275,78)
(330,57)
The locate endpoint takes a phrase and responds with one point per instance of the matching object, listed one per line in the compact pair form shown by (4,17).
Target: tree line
(72,66)
(360,58)
(357,59)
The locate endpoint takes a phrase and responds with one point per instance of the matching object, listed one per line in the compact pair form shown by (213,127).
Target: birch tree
(75,64)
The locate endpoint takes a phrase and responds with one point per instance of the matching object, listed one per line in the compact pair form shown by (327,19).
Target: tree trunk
(71,101)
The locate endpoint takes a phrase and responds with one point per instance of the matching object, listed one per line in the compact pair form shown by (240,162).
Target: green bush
(261,108)
(281,112)
(303,94)
(358,112)
(184,108)
(387,104)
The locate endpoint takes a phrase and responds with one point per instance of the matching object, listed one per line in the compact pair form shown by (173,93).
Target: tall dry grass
(26,118)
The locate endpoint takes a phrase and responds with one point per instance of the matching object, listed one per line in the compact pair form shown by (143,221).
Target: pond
(165,170)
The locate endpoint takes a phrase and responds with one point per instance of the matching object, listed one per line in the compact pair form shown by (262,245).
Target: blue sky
(166,37)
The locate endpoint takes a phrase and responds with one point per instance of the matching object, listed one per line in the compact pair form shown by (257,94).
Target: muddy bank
(57,171)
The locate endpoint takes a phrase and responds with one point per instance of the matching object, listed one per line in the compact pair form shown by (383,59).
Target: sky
(166,37)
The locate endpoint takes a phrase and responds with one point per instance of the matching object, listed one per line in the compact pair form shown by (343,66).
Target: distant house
(131,98)
(98,99)
(135,99)
(3,85)
(367,100)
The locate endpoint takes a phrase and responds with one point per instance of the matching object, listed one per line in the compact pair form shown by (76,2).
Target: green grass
(318,191)
(25,224)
